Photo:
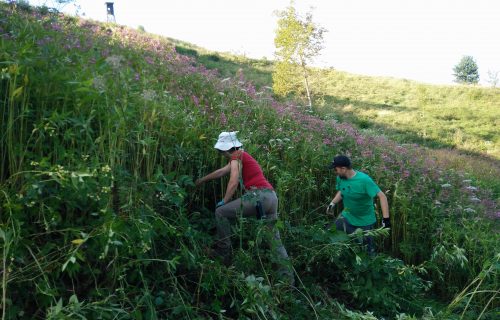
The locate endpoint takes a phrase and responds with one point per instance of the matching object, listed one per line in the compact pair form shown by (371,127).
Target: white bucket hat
(227,140)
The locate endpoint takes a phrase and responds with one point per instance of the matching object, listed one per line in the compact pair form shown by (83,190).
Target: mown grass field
(103,131)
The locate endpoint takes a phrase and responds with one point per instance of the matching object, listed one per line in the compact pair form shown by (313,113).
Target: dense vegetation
(103,130)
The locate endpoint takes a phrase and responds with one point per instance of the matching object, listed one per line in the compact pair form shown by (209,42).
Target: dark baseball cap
(340,161)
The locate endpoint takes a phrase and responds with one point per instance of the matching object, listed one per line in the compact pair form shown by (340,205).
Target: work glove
(329,209)
(386,222)
(220,203)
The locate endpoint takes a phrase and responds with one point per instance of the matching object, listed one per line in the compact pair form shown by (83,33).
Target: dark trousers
(343,225)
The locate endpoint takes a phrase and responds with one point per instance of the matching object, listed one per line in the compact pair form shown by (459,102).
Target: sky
(419,40)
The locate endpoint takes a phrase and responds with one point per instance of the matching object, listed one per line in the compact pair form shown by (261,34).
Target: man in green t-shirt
(357,190)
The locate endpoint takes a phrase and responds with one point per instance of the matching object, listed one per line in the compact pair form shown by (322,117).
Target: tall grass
(99,150)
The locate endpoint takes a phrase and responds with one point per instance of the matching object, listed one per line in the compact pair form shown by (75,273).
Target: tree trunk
(306,80)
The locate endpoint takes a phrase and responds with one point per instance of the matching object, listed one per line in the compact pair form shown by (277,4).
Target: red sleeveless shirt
(253,177)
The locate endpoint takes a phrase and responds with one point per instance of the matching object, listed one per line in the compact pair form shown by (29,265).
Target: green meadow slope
(103,130)
(458,123)
(459,116)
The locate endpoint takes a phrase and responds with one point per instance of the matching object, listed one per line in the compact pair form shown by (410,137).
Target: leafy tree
(466,71)
(493,77)
(298,40)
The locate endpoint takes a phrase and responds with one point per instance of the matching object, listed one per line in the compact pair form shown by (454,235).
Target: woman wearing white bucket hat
(258,201)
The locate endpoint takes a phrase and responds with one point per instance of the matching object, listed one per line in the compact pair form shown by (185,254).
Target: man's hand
(330,208)
(198,182)
(220,203)
(386,222)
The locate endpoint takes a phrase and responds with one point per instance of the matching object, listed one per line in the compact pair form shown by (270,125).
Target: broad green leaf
(71,259)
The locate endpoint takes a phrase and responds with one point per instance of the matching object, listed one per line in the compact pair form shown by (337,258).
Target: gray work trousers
(246,207)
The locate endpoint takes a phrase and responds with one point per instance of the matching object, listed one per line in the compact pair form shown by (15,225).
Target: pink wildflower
(223,119)
(196,101)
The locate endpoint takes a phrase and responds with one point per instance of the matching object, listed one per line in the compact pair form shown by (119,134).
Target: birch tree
(298,41)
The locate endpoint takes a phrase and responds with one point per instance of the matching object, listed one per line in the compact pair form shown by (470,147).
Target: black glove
(386,222)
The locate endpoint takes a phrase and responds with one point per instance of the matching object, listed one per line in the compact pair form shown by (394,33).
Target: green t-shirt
(357,195)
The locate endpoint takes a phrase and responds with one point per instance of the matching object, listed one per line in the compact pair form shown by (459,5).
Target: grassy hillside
(461,122)
(461,117)
(104,129)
